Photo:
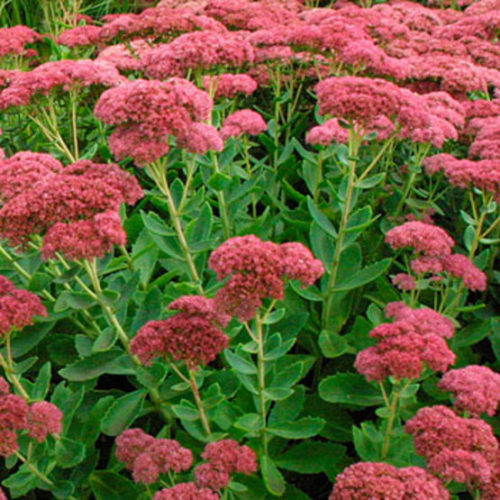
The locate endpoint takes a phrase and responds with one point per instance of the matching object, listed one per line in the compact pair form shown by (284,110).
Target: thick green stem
(354,144)
(7,365)
(261,377)
(226,226)
(158,174)
(390,423)
(199,403)
(34,469)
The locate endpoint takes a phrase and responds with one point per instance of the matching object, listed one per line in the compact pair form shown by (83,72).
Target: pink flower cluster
(76,207)
(460,449)
(186,491)
(483,174)
(192,335)
(381,481)
(17,307)
(40,419)
(224,458)
(148,457)
(13,40)
(229,85)
(257,270)
(415,338)
(433,246)
(146,112)
(476,389)
(197,50)
(66,74)
(241,122)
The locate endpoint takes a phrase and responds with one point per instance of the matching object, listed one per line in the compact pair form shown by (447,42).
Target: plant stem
(354,144)
(74,124)
(261,377)
(158,174)
(390,423)
(34,469)
(7,365)
(199,403)
(226,226)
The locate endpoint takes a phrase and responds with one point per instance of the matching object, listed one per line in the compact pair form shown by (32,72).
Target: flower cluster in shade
(66,75)
(224,458)
(241,122)
(433,255)
(145,113)
(381,481)
(257,270)
(461,449)
(17,307)
(39,419)
(192,335)
(148,457)
(415,339)
(476,389)
(185,491)
(74,208)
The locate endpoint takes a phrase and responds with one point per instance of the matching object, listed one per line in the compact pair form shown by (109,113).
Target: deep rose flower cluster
(17,307)
(229,85)
(22,170)
(40,419)
(192,335)
(241,122)
(476,389)
(13,40)
(200,138)
(327,133)
(434,246)
(415,338)
(483,174)
(80,36)
(257,269)
(148,457)
(224,458)
(186,491)
(381,481)
(66,74)
(126,57)
(462,449)
(197,50)
(76,209)
(146,112)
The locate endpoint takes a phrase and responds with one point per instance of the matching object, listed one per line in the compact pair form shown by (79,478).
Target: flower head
(190,336)
(186,491)
(44,418)
(229,85)
(476,389)
(130,444)
(244,121)
(17,307)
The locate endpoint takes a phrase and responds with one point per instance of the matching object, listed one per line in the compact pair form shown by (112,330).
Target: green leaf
(310,293)
(74,300)
(274,317)
(311,457)
(42,383)
(186,411)
(107,485)
(21,482)
(289,376)
(349,388)
(367,441)
(277,393)
(280,350)
(91,367)
(300,429)
(105,340)
(321,219)
(288,409)
(274,481)
(322,244)
(122,413)
(371,181)
(239,363)
(473,333)
(68,452)
(250,422)
(366,275)
(219,181)
(332,344)
(62,489)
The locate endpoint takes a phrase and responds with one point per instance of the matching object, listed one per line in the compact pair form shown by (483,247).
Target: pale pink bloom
(186,491)
(229,85)
(327,133)
(200,138)
(404,281)
(462,267)
(44,418)
(244,121)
